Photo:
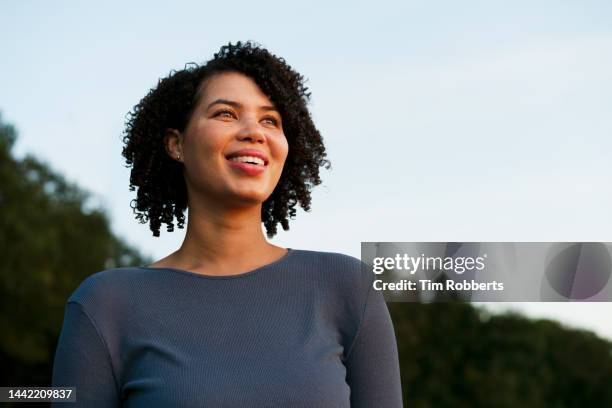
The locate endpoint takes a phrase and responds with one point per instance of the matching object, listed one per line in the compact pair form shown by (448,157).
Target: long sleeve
(82,361)
(372,364)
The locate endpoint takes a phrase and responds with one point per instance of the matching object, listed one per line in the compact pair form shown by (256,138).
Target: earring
(178,157)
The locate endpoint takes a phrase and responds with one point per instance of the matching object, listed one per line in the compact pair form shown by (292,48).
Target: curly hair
(162,193)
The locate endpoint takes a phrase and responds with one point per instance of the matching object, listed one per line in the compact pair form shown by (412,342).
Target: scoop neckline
(280,260)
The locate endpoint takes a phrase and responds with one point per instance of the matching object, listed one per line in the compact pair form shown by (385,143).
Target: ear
(173,142)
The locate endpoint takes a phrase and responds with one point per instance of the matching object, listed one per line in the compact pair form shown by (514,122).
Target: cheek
(282,149)
(207,142)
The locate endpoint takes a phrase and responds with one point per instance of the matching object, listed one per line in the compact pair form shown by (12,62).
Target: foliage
(455,355)
(50,242)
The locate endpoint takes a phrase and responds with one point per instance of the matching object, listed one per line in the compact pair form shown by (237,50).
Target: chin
(251,198)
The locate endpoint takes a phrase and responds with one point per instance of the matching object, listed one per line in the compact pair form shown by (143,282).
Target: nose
(251,131)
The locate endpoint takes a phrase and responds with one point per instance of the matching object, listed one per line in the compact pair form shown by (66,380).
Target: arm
(82,361)
(372,364)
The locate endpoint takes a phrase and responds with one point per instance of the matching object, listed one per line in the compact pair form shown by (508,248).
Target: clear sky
(444,120)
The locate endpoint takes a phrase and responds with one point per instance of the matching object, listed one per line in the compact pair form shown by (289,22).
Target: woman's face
(233,147)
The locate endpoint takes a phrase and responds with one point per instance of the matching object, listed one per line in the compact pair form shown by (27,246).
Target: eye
(271,120)
(224,113)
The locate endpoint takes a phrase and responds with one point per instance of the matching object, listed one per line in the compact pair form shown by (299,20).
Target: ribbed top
(307,330)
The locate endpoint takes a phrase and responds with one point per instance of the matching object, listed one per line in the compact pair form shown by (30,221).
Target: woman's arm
(372,364)
(82,361)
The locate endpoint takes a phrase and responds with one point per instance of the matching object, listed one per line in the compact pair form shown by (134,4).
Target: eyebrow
(237,105)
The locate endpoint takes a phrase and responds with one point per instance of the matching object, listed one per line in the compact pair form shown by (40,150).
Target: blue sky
(444,121)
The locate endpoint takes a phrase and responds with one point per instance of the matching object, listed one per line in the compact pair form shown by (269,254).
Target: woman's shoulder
(109,286)
(345,283)
(324,258)
(337,268)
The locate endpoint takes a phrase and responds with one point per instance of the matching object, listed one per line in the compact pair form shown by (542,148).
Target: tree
(455,355)
(50,242)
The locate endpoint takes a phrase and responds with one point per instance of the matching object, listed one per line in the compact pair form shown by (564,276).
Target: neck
(224,240)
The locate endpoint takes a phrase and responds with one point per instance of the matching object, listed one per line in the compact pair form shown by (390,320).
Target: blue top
(307,330)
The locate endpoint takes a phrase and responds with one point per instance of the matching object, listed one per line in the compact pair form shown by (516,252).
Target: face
(233,147)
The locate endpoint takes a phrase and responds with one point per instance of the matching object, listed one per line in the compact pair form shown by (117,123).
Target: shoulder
(109,288)
(345,283)
(341,268)
(344,280)
(326,257)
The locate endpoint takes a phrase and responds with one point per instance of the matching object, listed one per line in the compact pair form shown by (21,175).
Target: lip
(246,168)
(249,152)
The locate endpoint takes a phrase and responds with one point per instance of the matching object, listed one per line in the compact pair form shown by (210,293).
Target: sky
(444,121)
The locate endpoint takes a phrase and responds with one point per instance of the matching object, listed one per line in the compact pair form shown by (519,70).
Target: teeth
(248,159)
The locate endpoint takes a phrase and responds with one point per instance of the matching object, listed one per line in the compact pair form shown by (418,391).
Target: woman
(228,320)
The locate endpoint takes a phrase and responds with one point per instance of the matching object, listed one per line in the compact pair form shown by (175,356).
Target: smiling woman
(228,319)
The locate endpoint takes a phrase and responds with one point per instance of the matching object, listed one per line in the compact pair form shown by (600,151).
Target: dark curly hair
(162,193)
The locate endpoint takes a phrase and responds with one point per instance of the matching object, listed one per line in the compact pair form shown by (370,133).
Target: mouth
(251,160)
(247,165)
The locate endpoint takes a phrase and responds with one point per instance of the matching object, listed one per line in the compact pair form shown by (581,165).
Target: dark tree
(50,242)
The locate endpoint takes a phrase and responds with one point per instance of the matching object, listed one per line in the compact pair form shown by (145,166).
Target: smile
(249,159)
(247,165)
